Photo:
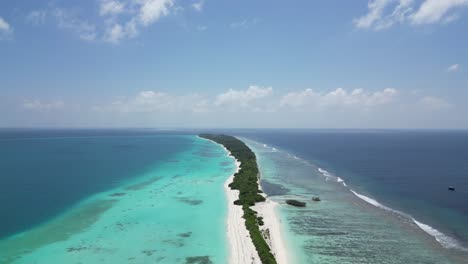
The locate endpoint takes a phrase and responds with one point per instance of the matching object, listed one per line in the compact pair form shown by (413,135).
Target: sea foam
(372,201)
(443,239)
(329,175)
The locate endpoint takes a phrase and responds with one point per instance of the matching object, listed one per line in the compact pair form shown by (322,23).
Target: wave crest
(443,239)
(328,175)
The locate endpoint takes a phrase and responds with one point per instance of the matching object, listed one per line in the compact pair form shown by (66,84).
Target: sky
(234,64)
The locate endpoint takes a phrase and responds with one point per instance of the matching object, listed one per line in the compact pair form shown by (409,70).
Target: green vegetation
(246,181)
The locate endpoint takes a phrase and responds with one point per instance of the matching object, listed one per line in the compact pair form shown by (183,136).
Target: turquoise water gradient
(174,212)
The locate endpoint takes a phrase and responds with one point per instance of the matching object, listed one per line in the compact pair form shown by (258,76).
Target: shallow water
(174,212)
(342,228)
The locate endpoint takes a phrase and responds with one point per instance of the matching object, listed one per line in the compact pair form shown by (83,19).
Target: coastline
(267,210)
(241,248)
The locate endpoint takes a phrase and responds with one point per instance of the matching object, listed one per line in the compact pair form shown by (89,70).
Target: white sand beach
(242,250)
(272,224)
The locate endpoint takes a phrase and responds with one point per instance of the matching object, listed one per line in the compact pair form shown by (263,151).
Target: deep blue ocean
(409,171)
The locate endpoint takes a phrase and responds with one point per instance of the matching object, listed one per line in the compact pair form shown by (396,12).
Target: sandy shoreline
(272,226)
(241,247)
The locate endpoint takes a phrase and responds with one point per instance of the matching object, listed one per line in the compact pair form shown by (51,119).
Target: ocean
(112,196)
(384,193)
(152,196)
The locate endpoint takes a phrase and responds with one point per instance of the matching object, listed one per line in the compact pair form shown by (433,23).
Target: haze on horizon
(205,63)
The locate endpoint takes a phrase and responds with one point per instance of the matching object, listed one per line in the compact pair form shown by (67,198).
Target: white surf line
(443,239)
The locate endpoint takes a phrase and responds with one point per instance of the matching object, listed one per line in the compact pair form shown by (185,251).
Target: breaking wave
(330,176)
(443,239)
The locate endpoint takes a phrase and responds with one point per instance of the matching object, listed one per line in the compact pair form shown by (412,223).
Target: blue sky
(195,63)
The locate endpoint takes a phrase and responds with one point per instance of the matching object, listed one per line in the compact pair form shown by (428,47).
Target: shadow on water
(141,185)
(198,260)
(189,201)
(59,229)
(273,189)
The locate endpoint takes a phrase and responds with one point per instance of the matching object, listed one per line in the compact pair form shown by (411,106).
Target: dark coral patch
(174,242)
(118,194)
(149,252)
(187,234)
(142,185)
(198,260)
(189,201)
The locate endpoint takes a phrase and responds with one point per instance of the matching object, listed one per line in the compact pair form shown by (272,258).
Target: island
(246,182)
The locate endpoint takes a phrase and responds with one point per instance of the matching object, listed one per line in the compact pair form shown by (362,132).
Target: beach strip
(241,248)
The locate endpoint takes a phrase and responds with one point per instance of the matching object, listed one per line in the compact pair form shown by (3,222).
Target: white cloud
(137,14)
(234,99)
(36,17)
(157,102)
(118,19)
(308,98)
(260,101)
(116,32)
(433,103)
(453,68)
(433,11)
(38,105)
(376,9)
(111,7)
(383,14)
(5,28)
(243,24)
(198,6)
(152,10)
(68,20)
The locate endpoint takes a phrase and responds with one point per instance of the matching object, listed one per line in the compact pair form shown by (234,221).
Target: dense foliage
(246,181)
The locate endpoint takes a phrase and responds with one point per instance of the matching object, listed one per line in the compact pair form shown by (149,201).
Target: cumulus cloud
(241,99)
(38,105)
(309,99)
(5,28)
(453,68)
(152,10)
(383,14)
(260,101)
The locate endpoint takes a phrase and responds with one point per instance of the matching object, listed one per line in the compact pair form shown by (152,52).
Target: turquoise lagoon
(172,212)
